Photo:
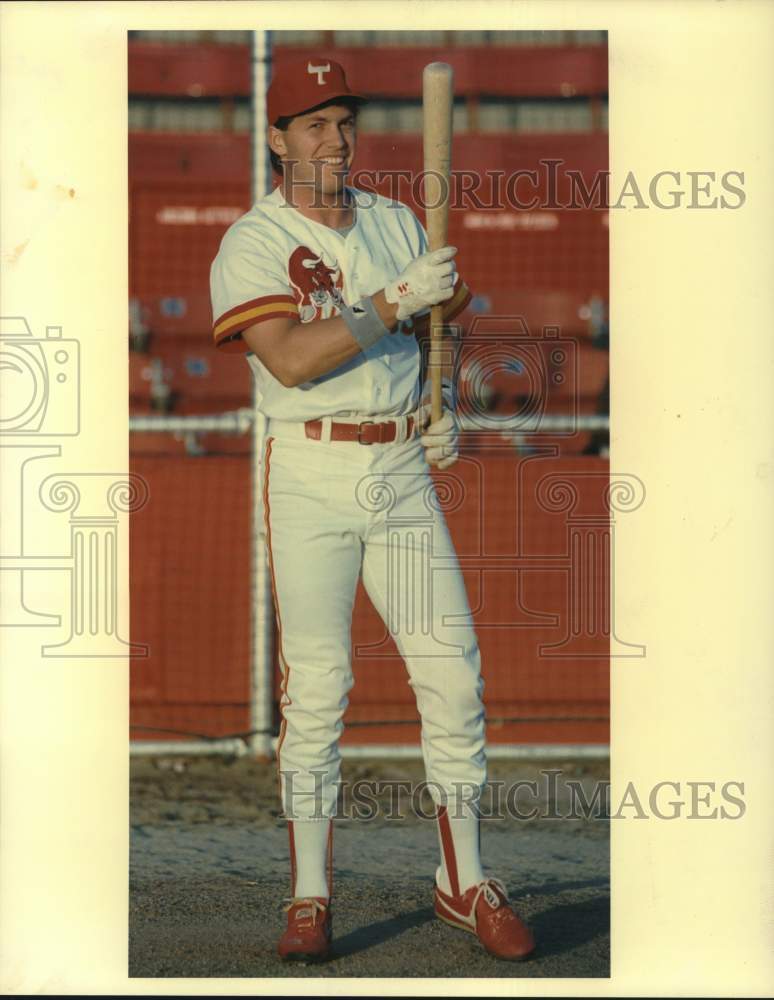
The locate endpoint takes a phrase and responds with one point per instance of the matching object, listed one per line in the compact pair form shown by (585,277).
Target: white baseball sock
(458,835)
(311,856)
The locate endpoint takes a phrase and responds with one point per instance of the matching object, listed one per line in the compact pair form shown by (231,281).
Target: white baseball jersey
(275,262)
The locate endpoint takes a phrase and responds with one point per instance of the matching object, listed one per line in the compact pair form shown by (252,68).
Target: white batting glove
(441,439)
(426,281)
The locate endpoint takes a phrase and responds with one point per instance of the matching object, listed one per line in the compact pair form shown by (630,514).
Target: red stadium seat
(192,373)
(196,370)
(224,70)
(539,309)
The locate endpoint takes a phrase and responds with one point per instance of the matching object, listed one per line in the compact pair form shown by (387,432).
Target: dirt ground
(209,873)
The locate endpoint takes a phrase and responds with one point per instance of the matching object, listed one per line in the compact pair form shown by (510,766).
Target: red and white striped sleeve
(451,308)
(247,286)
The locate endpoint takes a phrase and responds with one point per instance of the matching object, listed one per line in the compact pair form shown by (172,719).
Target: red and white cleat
(484,910)
(308,934)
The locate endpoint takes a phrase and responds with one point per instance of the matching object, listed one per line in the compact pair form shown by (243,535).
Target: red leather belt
(366,432)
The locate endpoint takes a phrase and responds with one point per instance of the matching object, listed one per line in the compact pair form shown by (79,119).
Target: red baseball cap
(302,85)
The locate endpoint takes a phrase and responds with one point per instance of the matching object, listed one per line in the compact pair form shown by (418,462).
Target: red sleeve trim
(226,330)
(451,308)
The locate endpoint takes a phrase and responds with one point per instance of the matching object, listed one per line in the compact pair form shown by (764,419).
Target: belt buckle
(360,426)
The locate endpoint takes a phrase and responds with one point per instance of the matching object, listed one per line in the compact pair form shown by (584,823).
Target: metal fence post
(262,674)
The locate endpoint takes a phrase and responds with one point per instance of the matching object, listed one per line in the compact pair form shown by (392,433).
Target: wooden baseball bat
(437,102)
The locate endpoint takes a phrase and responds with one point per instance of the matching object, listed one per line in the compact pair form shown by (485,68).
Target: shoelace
(306,913)
(486,889)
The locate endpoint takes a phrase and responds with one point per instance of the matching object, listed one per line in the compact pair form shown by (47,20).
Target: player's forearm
(309,350)
(314,349)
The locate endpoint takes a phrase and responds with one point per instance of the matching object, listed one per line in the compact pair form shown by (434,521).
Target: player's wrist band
(364,322)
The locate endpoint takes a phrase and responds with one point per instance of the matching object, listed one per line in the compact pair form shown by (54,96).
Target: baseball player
(324,287)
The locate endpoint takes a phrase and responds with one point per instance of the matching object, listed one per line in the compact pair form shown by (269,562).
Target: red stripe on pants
(285,670)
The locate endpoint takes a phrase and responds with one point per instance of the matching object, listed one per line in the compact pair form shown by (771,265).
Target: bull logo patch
(317,284)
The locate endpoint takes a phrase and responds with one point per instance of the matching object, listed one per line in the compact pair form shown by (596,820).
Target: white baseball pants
(335,510)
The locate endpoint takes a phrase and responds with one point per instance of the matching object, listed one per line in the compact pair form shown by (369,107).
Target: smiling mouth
(332,161)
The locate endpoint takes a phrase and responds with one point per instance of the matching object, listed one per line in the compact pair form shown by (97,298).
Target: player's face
(320,147)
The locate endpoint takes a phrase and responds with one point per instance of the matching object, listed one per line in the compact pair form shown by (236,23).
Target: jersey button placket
(354,251)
